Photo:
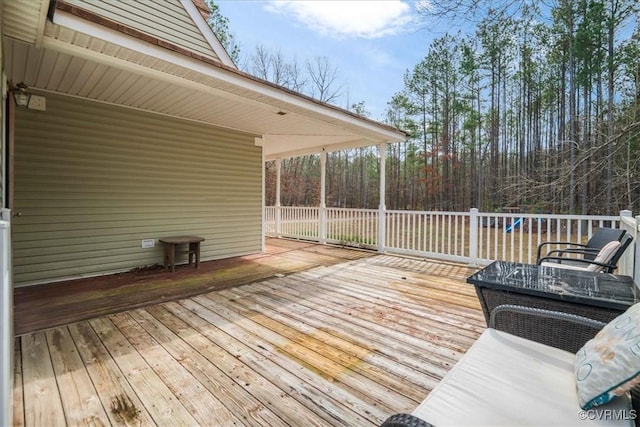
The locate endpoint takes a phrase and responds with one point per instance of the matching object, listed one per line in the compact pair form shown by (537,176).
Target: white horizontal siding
(93,180)
(166,20)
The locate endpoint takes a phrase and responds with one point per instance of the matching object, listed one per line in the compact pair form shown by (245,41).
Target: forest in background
(536,108)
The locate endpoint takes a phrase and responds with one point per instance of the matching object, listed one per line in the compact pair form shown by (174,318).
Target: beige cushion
(605,255)
(504,380)
(582,267)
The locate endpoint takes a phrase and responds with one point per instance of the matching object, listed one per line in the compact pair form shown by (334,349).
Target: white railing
(6,321)
(296,222)
(630,262)
(473,237)
(352,227)
(443,235)
(515,237)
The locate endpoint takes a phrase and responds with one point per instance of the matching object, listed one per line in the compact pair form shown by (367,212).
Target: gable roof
(85,55)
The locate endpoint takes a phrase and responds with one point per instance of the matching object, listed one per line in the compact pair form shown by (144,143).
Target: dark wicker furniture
(596,296)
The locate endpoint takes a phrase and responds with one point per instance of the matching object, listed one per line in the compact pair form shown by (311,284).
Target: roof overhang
(78,57)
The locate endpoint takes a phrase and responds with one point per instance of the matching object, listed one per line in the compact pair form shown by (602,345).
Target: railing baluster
(437,243)
(495,234)
(530,238)
(481,228)
(449,218)
(455,233)
(463,225)
(511,239)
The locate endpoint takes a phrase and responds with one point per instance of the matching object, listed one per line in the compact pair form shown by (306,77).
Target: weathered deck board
(347,340)
(346,351)
(208,366)
(324,366)
(18,396)
(193,395)
(42,401)
(78,396)
(380,346)
(163,406)
(117,397)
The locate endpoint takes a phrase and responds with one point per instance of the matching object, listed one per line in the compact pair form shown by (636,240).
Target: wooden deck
(323,336)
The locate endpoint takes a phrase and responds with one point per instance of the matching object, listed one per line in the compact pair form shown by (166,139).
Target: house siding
(92,180)
(170,23)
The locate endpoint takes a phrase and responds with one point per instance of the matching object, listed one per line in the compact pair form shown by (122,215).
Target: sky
(371,43)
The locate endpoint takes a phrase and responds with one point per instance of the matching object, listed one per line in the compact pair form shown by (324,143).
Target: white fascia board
(94,30)
(208,34)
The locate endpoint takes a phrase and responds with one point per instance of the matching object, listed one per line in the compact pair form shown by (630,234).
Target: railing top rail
(351,209)
(629,220)
(551,216)
(400,211)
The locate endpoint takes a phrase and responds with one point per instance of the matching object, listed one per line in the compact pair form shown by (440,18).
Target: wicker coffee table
(594,295)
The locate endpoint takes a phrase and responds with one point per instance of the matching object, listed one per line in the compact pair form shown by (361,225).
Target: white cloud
(378,57)
(347,18)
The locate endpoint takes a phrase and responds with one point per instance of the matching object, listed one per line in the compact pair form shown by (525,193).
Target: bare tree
(473,10)
(323,80)
(274,67)
(260,63)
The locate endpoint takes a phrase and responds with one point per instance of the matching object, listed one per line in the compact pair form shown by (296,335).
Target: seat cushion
(604,256)
(504,380)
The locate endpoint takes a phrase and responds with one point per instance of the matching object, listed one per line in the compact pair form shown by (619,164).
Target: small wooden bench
(170,249)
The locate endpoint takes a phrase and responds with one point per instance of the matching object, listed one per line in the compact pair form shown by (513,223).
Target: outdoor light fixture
(20,94)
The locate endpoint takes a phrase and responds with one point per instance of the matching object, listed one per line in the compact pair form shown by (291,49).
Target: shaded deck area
(318,336)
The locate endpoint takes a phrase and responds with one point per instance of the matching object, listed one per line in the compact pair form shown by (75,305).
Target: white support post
(263,239)
(636,254)
(323,195)
(6,321)
(382,220)
(473,237)
(628,264)
(278,214)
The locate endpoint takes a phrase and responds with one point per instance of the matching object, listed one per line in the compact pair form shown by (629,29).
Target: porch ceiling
(83,59)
